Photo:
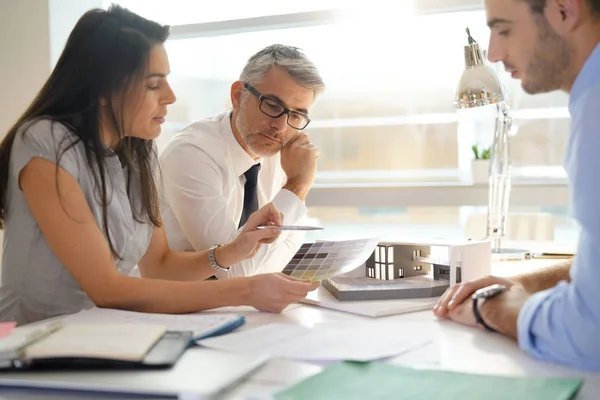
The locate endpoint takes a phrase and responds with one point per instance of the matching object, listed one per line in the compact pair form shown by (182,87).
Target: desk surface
(455,348)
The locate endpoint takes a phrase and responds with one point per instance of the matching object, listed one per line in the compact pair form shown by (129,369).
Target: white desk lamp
(480,86)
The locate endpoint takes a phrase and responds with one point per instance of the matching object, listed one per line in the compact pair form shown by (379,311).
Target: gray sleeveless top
(34,284)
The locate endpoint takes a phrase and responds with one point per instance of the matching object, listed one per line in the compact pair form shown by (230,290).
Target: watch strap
(478,317)
(212,260)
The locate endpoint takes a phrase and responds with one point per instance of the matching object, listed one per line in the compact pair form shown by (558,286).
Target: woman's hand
(250,239)
(274,292)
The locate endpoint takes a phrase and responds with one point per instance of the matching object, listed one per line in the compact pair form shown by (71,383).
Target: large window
(181,12)
(391,73)
(387,118)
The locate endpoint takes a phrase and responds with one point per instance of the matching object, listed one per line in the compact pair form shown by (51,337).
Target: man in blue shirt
(554,314)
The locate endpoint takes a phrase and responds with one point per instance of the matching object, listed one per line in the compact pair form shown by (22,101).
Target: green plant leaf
(486,154)
(475,151)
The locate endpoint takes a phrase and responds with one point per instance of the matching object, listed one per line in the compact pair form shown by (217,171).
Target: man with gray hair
(216,172)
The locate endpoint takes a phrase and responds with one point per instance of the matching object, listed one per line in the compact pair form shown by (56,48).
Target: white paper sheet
(120,342)
(360,342)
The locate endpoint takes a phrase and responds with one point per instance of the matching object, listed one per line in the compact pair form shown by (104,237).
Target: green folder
(350,380)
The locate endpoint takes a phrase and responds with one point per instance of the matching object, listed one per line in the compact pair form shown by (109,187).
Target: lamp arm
(499,177)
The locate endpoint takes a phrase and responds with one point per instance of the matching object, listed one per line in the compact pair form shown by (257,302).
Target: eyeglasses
(274,109)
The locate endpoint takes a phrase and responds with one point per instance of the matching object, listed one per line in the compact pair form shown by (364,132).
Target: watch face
(490,291)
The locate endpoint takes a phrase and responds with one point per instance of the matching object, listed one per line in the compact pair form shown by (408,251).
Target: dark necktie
(250,194)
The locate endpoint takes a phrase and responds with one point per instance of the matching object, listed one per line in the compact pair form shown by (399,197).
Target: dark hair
(537,6)
(107,53)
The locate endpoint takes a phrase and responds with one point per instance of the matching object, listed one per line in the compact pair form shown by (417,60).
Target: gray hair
(288,58)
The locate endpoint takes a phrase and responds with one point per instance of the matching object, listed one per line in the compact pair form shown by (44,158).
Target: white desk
(458,348)
(455,348)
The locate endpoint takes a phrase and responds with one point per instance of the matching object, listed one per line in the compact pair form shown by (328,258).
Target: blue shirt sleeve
(562,324)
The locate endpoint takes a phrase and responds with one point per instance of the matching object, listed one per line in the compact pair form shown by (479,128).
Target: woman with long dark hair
(78,196)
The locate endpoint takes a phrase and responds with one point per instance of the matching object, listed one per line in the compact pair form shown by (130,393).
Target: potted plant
(480,166)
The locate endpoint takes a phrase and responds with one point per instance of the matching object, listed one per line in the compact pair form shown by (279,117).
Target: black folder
(163,354)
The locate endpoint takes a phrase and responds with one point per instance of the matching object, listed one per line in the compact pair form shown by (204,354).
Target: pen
(38,335)
(19,359)
(561,256)
(291,227)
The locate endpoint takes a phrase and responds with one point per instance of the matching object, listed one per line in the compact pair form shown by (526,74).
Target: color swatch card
(322,260)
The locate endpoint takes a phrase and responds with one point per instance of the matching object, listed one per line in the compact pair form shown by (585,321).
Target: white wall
(64,14)
(24,56)
(429,6)
(32,36)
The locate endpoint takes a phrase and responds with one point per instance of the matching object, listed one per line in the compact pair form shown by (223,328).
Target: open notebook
(125,342)
(202,325)
(92,346)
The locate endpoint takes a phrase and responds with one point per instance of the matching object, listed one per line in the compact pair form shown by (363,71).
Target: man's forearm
(545,278)
(300,189)
(502,312)
(500,318)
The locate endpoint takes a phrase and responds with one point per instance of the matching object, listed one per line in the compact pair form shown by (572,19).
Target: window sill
(524,193)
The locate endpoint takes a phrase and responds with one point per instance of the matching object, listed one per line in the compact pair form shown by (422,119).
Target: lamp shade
(479,84)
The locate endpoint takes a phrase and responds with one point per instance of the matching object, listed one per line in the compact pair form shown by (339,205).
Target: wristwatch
(479,298)
(212,261)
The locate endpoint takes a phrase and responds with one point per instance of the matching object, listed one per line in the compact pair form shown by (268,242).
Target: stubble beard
(550,61)
(254,138)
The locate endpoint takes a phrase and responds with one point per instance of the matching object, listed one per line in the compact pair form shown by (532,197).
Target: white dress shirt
(202,195)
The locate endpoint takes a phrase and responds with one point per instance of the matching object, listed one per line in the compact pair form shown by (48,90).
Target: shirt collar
(240,159)
(589,74)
